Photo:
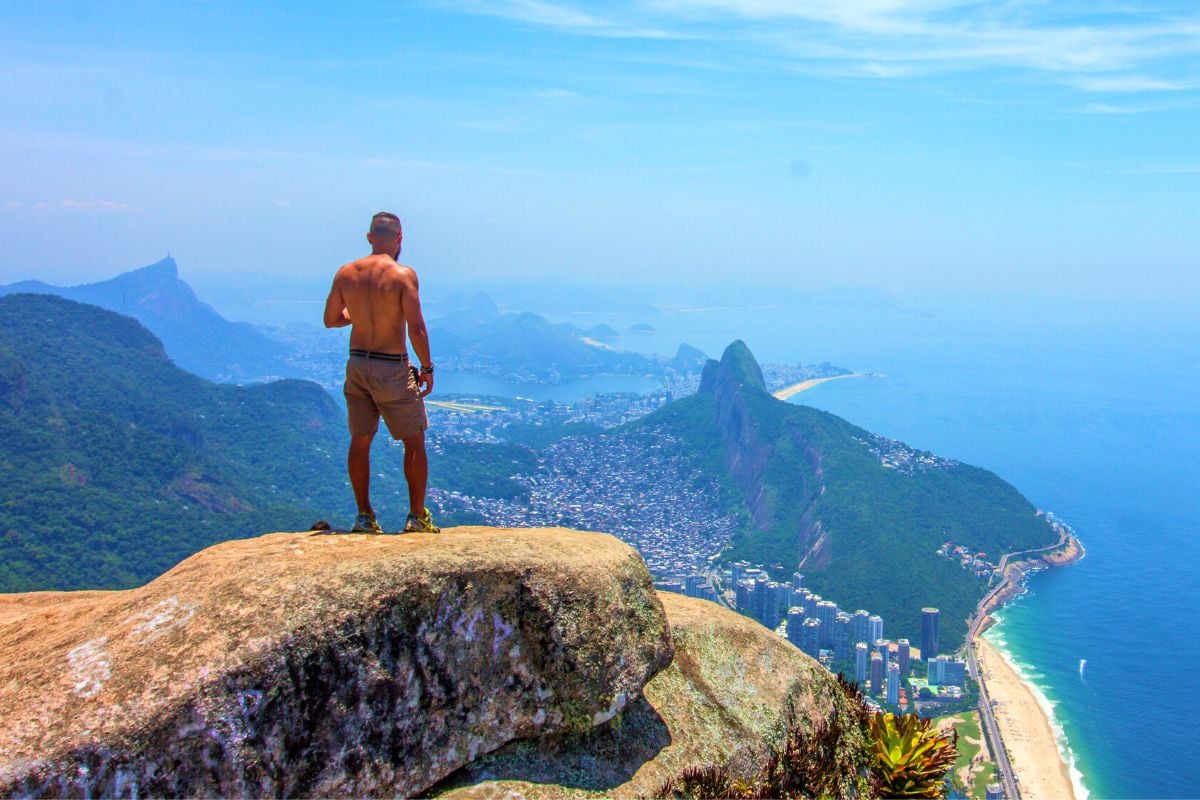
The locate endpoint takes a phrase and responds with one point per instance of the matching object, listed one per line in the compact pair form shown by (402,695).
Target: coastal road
(986,717)
(988,720)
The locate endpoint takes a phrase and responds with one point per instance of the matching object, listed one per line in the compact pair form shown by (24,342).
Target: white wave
(1025,673)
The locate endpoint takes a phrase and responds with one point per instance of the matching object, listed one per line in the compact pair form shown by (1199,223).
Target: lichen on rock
(723,701)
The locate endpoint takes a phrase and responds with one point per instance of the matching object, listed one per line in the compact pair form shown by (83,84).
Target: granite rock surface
(721,701)
(316,664)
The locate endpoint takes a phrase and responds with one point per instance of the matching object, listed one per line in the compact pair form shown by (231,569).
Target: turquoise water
(1093,414)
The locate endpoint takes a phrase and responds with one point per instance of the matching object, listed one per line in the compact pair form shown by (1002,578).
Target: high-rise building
(893,684)
(841,635)
(929,632)
(861,651)
(876,673)
(761,592)
(810,637)
(783,597)
(692,584)
(859,626)
(874,628)
(799,596)
(745,597)
(903,653)
(810,605)
(993,791)
(956,672)
(797,580)
(795,620)
(884,648)
(946,671)
(827,613)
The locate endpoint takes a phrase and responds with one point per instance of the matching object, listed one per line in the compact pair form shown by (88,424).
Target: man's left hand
(425,382)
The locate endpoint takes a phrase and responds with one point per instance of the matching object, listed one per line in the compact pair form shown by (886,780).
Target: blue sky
(907,145)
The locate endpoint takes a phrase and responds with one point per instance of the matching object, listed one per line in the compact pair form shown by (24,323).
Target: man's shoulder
(350,268)
(404,271)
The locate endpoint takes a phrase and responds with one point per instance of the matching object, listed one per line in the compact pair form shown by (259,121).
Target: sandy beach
(1024,728)
(803,386)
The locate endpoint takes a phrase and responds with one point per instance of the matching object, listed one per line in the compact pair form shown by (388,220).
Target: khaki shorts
(375,387)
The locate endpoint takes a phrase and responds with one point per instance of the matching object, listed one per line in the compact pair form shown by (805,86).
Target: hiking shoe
(422,524)
(365,523)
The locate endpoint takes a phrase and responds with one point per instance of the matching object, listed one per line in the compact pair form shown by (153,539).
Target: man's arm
(336,315)
(418,334)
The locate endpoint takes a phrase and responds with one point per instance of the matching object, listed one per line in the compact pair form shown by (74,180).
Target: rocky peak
(482,308)
(737,369)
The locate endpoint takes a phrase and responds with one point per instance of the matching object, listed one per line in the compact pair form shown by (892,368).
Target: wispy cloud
(1133,83)
(71,204)
(561,95)
(1107,108)
(568,18)
(1093,48)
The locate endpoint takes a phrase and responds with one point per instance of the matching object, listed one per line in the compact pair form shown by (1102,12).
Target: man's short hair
(385,224)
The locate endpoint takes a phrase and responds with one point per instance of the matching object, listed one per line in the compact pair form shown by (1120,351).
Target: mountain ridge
(195,336)
(822,496)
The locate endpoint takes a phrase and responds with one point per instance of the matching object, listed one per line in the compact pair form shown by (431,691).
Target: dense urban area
(656,498)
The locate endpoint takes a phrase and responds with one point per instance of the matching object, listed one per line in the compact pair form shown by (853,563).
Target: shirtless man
(378,297)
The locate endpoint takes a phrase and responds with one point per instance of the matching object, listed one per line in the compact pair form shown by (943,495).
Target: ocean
(1094,414)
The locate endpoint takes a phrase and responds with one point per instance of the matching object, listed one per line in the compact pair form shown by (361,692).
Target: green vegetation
(972,773)
(115,464)
(541,435)
(912,757)
(852,753)
(198,338)
(483,470)
(811,489)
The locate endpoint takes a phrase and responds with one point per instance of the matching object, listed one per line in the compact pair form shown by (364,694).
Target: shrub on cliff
(851,754)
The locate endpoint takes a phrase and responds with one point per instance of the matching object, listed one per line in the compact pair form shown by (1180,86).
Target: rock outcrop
(738,392)
(722,701)
(329,665)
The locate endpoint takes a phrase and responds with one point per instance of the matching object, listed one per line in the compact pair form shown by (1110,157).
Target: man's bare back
(379,297)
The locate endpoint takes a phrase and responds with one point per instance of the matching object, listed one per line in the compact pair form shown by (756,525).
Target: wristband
(427,369)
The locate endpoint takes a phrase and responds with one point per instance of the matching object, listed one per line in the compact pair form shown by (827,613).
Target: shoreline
(803,386)
(1066,552)
(1030,734)
(1029,731)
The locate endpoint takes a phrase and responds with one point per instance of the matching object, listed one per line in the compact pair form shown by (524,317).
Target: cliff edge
(332,665)
(723,701)
(316,664)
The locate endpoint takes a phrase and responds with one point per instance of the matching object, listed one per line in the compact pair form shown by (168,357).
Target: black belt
(371,354)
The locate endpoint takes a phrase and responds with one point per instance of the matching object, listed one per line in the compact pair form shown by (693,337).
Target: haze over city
(910,146)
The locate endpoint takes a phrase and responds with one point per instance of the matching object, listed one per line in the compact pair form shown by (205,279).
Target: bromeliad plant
(911,756)
(852,753)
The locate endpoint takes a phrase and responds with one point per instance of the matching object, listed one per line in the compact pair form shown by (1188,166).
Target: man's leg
(358,463)
(416,471)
